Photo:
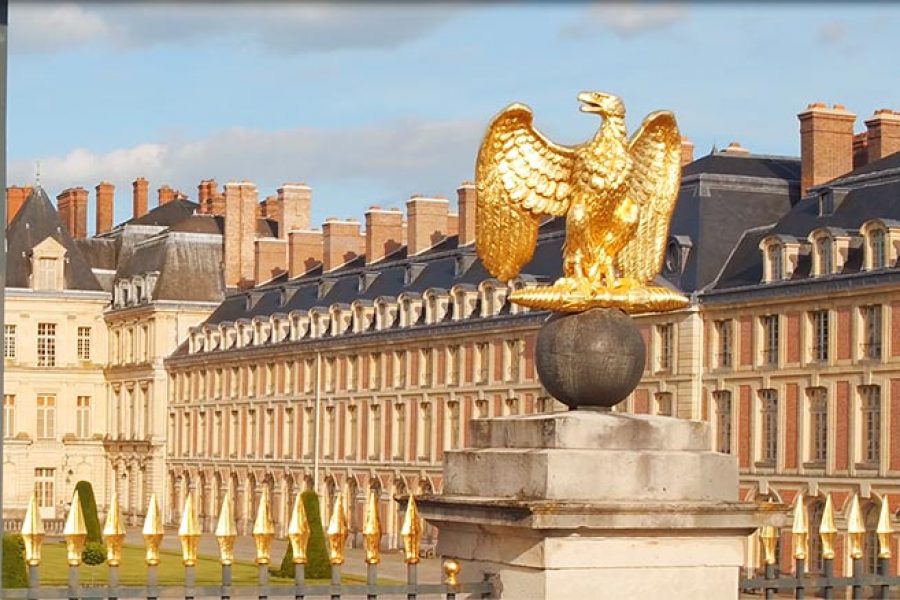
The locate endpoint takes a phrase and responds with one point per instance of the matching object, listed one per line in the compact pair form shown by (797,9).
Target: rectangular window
(427,367)
(234,435)
(724,343)
(352,438)
(399,431)
(453,425)
(871,423)
(84,343)
(768,404)
(818,426)
(484,360)
(43,487)
(330,374)
(425,427)
(374,432)
(665,336)
(217,434)
(878,254)
(9,415)
(511,358)
(872,331)
(375,371)
(46,279)
(664,405)
(820,331)
(252,433)
(400,369)
(9,341)
(83,417)
(46,344)
(203,427)
(270,433)
(722,399)
(329,430)
(46,416)
(352,372)
(770,339)
(309,432)
(453,359)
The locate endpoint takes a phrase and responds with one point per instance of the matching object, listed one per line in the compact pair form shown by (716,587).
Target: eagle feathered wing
(520,175)
(655,151)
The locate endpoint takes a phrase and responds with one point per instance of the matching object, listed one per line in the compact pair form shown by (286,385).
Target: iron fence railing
(336,534)
(824,585)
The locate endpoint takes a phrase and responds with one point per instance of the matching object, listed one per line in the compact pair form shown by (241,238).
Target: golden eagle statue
(617,195)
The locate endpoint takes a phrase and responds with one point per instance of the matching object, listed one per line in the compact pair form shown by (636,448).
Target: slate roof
(37,220)
(166,215)
(751,165)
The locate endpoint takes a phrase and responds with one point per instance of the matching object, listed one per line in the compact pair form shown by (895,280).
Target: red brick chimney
(211,201)
(105,203)
(384,233)
(860,149)
(687,151)
(467,195)
(240,234)
(140,187)
(72,207)
(166,195)
(427,222)
(826,143)
(305,250)
(294,204)
(269,258)
(883,137)
(341,242)
(15,198)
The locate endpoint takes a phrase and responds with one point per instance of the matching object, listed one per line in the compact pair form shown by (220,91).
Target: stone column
(590,504)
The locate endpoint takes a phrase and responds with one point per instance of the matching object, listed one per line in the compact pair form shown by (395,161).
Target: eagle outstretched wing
(520,175)
(653,184)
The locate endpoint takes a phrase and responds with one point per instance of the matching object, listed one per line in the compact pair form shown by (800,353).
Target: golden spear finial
(411,532)
(75,532)
(827,530)
(189,532)
(225,531)
(114,532)
(884,529)
(298,531)
(153,531)
(800,528)
(263,529)
(768,535)
(372,529)
(856,529)
(33,532)
(337,531)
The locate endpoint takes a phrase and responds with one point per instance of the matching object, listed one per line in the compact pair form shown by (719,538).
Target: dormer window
(824,256)
(826,203)
(48,258)
(775,255)
(46,275)
(877,249)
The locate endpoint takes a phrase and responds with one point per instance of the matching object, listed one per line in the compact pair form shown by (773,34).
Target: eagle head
(606,105)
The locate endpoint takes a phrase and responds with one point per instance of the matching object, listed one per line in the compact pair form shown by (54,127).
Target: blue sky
(371,103)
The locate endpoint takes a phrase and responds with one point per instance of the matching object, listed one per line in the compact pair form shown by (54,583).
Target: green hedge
(317,563)
(89,509)
(14,573)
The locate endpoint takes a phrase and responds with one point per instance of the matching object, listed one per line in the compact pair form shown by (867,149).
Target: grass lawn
(133,570)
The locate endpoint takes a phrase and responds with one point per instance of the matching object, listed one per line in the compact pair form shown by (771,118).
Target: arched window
(776,267)
(877,248)
(824,255)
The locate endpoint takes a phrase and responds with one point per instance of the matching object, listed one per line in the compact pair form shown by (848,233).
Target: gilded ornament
(225,531)
(800,529)
(114,532)
(74,532)
(33,532)
(189,532)
(263,530)
(451,571)
(856,528)
(884,530)
(298,531)
(616,194)
(372,529)
(827,529)
(152,531)
(337,531)
(411,532)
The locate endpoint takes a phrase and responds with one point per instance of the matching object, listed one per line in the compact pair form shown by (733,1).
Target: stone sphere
(592,359)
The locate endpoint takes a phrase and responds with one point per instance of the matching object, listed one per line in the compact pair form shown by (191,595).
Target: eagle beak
(589,102)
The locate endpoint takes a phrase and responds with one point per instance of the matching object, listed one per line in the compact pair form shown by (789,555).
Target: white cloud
(284,28)
(399,157)
(627,19)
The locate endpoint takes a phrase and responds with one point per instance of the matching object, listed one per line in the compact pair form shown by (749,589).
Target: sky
(372,103)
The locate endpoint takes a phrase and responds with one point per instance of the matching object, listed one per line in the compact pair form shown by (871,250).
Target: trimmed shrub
(94,553)
(317,563)
(15,574)
(89,508)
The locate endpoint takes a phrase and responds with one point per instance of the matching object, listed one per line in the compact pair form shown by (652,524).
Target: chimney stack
(883,134)
(105,203)
(826,144)
(733,149)
(467,195)
(687,151)
(72,207)
(427,222)
(269,258)
(341,242)
(305,250)
(15,198)
(139,194)
(210,200)
(293,207)
(240,234)
(384,233)
(166,195)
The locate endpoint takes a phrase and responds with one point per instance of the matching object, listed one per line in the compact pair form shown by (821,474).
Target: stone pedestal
(587,504)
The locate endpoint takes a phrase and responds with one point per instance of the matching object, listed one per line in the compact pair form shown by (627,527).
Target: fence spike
(768,535)
(263,529)
(827,530)
(114,532)
(298,531)
(226,531)
(884,529)
(451,571)
(153,531)
(411,532)
(800,528)
(337,531)
(856,528)
(33,532)
(75,532)
(189,532)
(372,529)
